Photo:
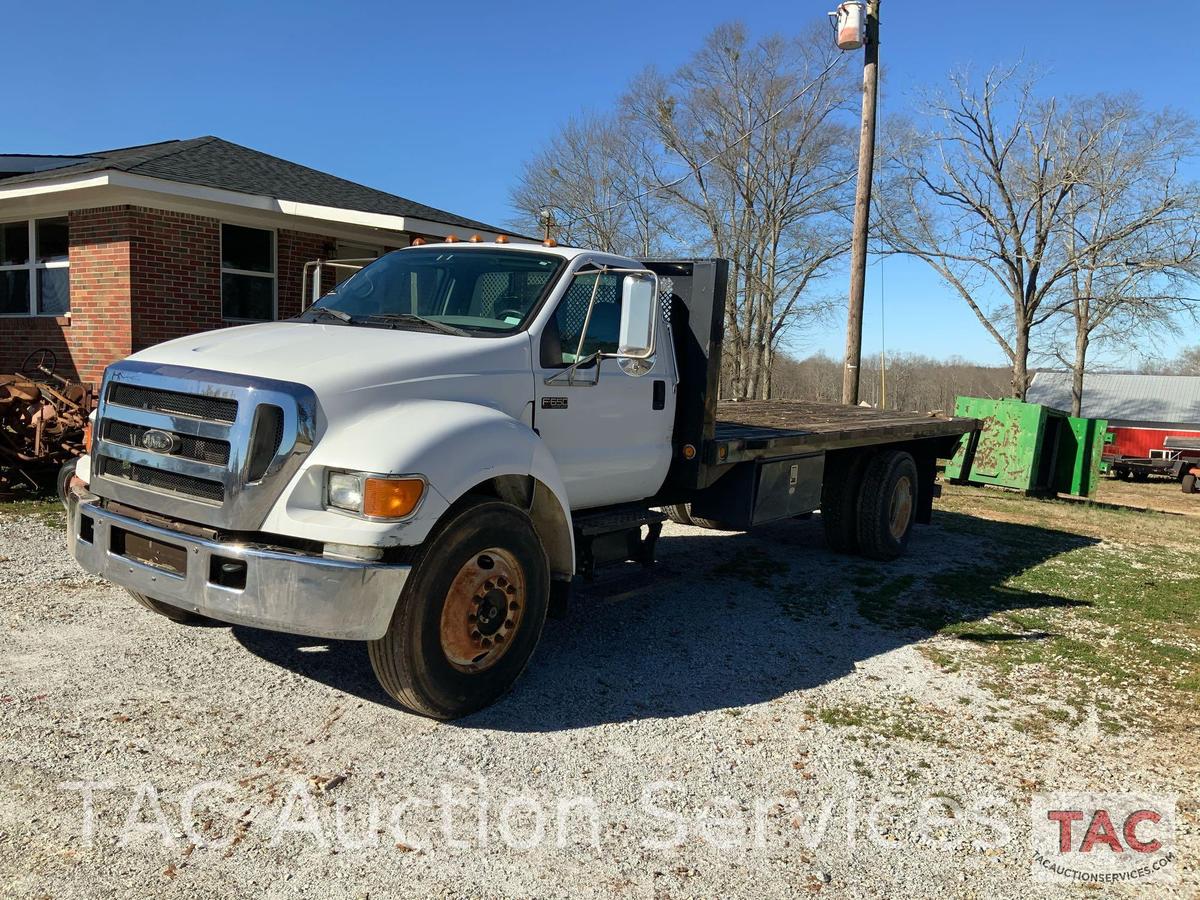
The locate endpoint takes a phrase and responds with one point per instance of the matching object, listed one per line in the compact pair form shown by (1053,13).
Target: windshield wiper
(414,318)
(330,311)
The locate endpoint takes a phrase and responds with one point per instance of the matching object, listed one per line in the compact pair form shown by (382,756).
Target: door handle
(660,395)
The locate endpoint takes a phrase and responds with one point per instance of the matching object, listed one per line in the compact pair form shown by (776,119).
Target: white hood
(336,360)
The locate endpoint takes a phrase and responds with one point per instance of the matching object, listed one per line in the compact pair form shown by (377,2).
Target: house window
(35,275)
(247,273)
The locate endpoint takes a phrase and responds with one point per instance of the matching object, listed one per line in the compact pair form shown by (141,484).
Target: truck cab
(426,457)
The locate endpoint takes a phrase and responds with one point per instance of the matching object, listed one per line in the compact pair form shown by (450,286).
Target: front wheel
(469,616)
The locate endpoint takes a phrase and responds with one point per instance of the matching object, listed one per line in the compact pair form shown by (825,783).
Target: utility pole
(862,206)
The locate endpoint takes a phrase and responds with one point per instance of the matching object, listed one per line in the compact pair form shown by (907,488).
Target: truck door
(611,439)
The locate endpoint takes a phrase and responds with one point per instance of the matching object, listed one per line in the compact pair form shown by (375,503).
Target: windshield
(478,292)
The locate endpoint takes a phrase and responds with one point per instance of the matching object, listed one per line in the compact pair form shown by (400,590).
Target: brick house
(106,253)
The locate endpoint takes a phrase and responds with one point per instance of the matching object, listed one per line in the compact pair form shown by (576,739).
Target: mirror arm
(587,319)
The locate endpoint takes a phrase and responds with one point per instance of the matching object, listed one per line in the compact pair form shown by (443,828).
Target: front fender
(454,445)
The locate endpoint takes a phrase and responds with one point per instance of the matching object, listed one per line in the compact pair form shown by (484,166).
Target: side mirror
(635,348)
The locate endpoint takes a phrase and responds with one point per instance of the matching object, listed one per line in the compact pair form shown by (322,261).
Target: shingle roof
(217,163)
(1146,399)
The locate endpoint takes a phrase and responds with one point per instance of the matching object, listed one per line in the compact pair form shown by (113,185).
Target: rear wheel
(174,613)
(1189,484)
(887,505)
(469,616)
(841,486)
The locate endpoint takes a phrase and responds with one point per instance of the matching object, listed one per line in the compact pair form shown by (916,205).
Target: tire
(841,486)
(1141,476)
(681,514)
(1188,484)
(423,660)
(174,613)
(887,505)
(65,473)
(678,513)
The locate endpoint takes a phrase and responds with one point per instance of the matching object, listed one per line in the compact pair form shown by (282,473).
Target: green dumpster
(1028,447)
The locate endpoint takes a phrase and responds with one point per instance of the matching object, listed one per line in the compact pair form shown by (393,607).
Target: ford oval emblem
(160,441)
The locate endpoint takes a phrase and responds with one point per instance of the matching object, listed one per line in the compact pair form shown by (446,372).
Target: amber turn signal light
(87,437)
(391,498)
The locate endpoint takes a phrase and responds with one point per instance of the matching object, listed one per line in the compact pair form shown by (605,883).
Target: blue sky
(443,103)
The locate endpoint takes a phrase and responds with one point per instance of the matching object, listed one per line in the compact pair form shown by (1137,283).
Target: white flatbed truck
(425,458)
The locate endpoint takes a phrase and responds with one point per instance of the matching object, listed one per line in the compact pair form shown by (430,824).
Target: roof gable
(216,163)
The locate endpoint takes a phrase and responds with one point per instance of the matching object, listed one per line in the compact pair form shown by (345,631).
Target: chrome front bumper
(297,592)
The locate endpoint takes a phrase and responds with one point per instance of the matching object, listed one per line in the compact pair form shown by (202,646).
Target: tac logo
(1103,838)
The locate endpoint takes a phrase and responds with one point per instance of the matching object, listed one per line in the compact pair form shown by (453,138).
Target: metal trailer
(1179,460)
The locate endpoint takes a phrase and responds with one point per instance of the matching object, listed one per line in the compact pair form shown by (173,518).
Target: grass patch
(47,511)
(908,724)
(1076,611)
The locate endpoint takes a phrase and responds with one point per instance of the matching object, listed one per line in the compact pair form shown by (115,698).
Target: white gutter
(256,202)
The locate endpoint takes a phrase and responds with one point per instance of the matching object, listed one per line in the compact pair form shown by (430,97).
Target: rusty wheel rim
(483,610)
(901,507)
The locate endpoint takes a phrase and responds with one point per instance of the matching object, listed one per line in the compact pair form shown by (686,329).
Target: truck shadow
(726,621)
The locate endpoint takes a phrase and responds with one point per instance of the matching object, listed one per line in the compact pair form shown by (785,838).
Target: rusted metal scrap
(43,418)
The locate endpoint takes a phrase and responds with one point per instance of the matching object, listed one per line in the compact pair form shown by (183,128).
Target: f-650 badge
(554,403)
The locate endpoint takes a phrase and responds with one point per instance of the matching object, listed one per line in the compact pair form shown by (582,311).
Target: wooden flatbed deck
(756,429)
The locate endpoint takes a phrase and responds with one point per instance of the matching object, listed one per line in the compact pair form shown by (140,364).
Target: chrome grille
(198,448)
(236,442)
(200,488)
(192,405)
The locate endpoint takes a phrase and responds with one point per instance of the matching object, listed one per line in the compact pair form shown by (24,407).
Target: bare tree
(914,382)
(1186,363)
(768,178)
(593,178)
(1131,233)
(740,153)
(978,191)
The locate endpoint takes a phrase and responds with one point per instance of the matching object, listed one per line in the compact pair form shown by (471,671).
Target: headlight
(345,491)
(374,496)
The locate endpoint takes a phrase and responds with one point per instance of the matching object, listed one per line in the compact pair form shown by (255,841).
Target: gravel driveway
(726,727)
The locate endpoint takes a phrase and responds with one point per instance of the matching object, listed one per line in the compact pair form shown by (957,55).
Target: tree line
(1072,210)
(910,381)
